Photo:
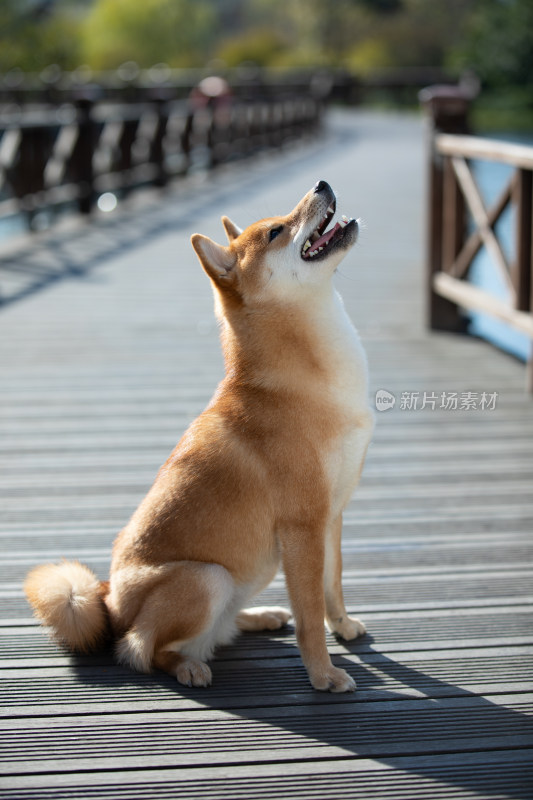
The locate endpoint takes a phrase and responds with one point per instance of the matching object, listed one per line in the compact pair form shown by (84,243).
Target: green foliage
(494,38)
(178,32)
(31,42)
(499,44)
(264,47)
(498,47)
(370,54)
(383,6)
(419,33)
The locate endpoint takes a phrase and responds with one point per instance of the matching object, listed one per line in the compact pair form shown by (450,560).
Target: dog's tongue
(324,239)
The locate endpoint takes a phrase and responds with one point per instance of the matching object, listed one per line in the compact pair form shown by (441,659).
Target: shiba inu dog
(260,479)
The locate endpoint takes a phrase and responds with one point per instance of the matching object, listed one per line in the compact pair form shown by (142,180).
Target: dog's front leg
(336,617)
(303,563)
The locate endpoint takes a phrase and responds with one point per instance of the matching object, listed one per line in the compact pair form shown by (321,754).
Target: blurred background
(370,39)
(102,97)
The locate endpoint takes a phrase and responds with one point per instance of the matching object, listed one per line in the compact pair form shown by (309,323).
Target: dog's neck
(294,345)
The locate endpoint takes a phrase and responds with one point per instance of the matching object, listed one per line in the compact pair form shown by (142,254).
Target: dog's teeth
(307,245)
(320,248)
(343,222)
(331,210)
(345,218)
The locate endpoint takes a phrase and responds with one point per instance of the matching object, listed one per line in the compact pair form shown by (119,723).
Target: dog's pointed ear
(217,260)
(232,230)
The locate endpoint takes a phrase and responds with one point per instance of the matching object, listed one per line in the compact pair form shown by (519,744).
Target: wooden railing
(67,137)
(74,152)
(130,83)
(461,224)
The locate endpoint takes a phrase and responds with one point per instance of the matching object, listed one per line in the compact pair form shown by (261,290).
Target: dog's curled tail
(68,597)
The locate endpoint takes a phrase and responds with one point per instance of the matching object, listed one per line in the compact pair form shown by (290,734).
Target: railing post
(523,266)
(524,218)
(187,140)
(34,151)
(158,149)
(453,217)
(447,110)
(84,154)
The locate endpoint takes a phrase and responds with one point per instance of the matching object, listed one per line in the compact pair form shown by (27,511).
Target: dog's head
(278,257)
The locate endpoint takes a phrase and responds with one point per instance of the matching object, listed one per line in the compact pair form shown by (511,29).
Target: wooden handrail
(469,296)
(456,204)
(516,155)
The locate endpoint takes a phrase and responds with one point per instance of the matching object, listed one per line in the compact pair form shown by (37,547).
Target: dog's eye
(275,232)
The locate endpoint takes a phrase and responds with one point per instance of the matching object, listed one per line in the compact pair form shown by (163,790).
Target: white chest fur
(343,356)
(348,392)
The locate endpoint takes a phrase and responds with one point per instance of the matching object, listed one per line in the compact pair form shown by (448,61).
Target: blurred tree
(263,46)
(35,33)
(494,37)
(365,34)
(417,34)
(383,6)
(178,32)
(498,44)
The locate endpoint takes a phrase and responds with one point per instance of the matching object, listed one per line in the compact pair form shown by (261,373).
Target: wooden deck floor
(101,370)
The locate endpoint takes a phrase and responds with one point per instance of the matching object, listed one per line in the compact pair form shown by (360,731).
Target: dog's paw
(191,672)
(347,628)
(267,618)
(275,617)
(333,680)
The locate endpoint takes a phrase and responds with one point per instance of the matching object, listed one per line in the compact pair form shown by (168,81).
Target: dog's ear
(218,261)
(232,230)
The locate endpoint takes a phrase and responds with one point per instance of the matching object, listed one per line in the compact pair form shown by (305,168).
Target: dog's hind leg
(181,621)
(263,618)
(187,670)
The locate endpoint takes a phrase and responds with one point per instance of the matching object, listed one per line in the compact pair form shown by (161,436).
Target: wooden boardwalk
(101,370)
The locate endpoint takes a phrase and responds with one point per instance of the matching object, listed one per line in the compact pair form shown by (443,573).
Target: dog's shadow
(398,715)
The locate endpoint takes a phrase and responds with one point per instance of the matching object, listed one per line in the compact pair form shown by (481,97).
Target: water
(11,226)
(491,178)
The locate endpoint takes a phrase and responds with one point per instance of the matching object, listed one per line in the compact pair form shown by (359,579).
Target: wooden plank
(246,680)
(492,149)
(391,631)
(272,735)
(504,775)
(469,296)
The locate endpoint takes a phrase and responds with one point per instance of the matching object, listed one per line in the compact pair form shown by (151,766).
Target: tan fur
(261,477)
(68,598)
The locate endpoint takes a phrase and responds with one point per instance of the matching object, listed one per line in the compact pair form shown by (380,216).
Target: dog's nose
(321,186)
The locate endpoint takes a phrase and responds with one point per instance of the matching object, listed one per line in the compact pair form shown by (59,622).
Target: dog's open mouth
(322,241)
